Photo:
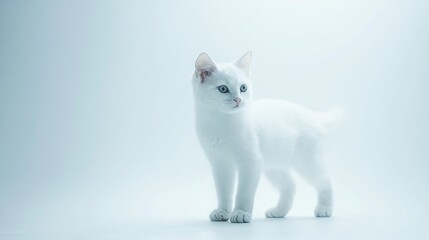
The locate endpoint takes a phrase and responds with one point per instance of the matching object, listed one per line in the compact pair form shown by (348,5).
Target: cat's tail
(331,119)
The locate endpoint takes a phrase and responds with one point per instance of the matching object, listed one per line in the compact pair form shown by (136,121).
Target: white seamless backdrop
(97,117)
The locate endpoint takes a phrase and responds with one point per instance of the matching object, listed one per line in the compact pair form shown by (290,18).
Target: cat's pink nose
(237,100)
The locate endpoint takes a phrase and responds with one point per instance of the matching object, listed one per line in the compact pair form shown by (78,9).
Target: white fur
(272,136)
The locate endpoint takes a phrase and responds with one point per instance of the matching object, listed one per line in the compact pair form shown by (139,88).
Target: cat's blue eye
(223,89)
(243,88)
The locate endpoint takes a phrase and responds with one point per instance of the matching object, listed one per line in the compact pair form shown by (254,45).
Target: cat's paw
(323,211)
(219,215)
(275,213)
(240,216)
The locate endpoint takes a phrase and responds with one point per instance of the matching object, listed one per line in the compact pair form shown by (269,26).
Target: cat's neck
(227,126)
(209,115)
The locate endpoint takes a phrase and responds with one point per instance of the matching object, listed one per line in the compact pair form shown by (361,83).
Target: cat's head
(223,87)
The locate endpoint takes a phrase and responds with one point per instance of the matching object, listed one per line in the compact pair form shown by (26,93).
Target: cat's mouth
(238,106)
(235,106)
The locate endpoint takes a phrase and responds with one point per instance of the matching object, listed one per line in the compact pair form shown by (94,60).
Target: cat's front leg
(249,172)
(224,178)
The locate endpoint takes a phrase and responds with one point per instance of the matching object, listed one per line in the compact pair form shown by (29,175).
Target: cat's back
(275,112)
(280,125)
(282,117)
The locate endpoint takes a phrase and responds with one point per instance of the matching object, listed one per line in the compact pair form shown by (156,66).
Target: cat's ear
(244,62)
(204,67)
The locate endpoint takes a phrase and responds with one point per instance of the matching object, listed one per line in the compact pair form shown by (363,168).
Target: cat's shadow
(258,227)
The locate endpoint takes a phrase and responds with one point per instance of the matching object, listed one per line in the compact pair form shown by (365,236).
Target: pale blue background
(96,107)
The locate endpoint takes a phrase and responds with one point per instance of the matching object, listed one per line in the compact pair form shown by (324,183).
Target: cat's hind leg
(282,180)
(313,171)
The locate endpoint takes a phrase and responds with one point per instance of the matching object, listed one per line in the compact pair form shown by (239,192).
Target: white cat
(245,136)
